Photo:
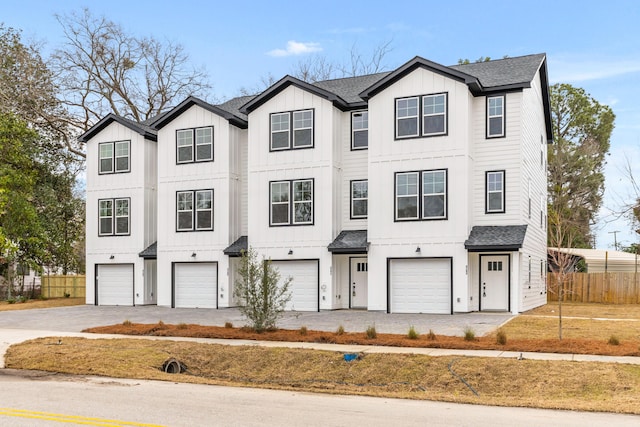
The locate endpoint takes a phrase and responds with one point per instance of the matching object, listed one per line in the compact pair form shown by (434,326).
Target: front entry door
(358,286)
(494,282)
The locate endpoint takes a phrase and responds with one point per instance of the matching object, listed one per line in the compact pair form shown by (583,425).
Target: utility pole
(615,240)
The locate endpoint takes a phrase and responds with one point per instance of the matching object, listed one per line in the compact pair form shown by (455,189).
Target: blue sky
(594,45)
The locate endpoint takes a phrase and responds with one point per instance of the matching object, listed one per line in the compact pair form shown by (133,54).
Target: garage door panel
(115,284)
(304,286)
(420,286)
(195,285)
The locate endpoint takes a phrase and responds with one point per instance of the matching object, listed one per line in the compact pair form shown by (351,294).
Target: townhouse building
(420,190)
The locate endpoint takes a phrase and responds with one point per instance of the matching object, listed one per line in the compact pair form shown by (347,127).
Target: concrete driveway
(77,318)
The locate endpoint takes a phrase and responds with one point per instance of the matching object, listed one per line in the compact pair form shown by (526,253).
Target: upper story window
(421,195)
(495,116)
(194,210)
(291,130)
(424,115)
(194,145)
(359,130)
(291,202)
(113,217)
(495,192)
(359,199)
(114,157)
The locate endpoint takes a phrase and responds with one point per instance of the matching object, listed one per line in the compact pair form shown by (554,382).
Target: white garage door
(115,284)
(304,287)
(420,286)
(195,285)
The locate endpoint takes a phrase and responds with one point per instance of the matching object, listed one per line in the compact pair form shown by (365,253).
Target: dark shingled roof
(350,242)
(233,105)
(236,248)
(349,88)
(150,252)
(495,238)
(503,72)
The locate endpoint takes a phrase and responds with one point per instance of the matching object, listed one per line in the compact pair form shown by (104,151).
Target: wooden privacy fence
(58,286)
(610,288)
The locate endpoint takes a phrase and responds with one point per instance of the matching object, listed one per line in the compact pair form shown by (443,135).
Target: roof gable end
(190,102)
(145,131)
(284,83)
(414,64)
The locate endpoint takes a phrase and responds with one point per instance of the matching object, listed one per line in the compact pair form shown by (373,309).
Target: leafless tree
(103,69)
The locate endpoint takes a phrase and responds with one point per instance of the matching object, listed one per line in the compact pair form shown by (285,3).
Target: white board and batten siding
(420,285)
(114,284)
(195,285)
(304,286)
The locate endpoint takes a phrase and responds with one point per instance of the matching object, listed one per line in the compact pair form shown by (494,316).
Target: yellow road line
(70,419)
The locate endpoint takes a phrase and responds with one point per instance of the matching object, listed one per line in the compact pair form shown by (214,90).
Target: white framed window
(194,145)
(407,114)
(495,116)
(359,199)
(291,209)
(114,217)
(114,157)
(359,130)
(407,195)
(495,192)
(434,114)
(434,194)
(194,210)
(291,130)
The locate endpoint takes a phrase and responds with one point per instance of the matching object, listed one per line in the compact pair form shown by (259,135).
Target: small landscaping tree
(262,298)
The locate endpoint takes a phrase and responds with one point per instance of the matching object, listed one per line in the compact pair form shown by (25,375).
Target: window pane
(302,138)
(204,152)
(407,207)
(280,213)
(184,140)
(204,219)
(122,164)
(433,182)
(495,126)
(360,120)
(407,184)
(360,190)
(185,201)
(106,207)
(280,192)
(204,144)
(360,139)
(122,207)
(302,190)
(433,124)
(407,107)
(105,226)
(434,104)
(495,201)
(302,212)
(280,140)
(122,148)
(302,119)
(185,221)
(360,207)
(433,206)
(106,165)
(122,225)
(408,127)
(106,150)
(203,199)
(279,122)
(204,136)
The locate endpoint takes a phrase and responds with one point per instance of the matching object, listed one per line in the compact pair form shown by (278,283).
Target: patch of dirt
(37,303)
(568,345)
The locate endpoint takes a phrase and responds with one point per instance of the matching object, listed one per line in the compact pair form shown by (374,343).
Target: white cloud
(566,69)
(296,48)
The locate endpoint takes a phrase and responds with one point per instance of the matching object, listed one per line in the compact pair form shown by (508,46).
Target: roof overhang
(350,242)
(110,118)
(190,102)
(237,248)
(150,252)
(496,238)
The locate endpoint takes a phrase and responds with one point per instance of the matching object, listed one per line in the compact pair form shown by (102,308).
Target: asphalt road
(37,399)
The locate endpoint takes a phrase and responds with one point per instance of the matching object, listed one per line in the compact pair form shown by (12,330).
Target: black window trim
(353,113)
(486,192)
(420,118)
(113,217)
(113,157)
(290,146)
(194,145)
(351,215)
(504,116)
(194,210)
(420,196)
(291,223)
